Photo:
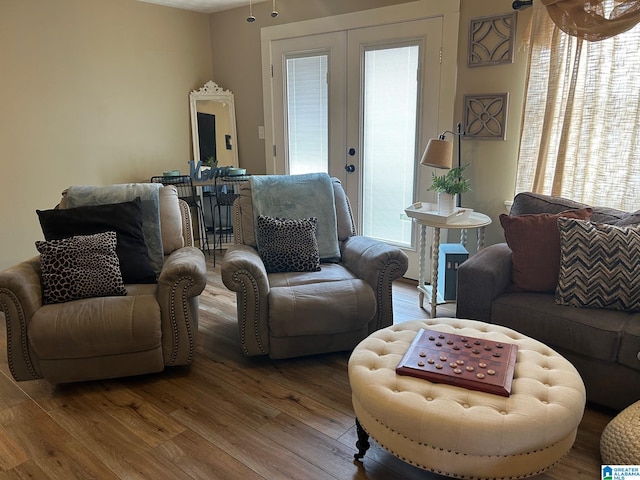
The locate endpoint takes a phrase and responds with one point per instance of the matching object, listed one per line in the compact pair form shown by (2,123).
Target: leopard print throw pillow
(78,267)
(288,245)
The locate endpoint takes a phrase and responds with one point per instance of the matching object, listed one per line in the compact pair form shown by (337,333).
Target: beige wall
(92,92)
(492,162)
(96,92)
(237,66)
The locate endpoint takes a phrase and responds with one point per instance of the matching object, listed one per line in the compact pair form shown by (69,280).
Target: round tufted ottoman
(464,433)
(620,440)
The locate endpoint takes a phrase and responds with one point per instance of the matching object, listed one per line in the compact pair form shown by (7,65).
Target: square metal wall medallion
(491,40)
(485,116)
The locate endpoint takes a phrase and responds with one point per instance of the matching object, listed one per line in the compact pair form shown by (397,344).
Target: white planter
(446,203)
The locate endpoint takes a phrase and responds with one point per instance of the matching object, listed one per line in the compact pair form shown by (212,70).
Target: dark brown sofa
(603,344)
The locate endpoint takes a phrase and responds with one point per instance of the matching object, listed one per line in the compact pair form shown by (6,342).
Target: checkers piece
(497,360)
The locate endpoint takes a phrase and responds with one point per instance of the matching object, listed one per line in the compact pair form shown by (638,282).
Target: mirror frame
(211,91)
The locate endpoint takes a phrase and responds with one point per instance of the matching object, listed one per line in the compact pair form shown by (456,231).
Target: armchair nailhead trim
(237,220)
(387,275)
(186,218)
(174,323)
(353,223)
(243,318)
(23,335)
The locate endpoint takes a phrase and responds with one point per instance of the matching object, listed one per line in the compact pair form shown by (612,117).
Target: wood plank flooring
(225,417)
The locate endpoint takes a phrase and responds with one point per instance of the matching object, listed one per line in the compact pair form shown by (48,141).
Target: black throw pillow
(123,218)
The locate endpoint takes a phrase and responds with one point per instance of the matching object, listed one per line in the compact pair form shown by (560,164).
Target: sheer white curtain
(581,127)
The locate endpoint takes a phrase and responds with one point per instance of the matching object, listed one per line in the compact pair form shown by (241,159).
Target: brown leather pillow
(535,242)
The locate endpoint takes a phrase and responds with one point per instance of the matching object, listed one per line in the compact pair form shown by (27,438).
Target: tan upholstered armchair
(154,325)
(303,313)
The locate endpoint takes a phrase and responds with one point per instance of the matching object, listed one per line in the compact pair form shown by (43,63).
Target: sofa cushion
(527,203)
(288,245)
(594,335)
(96,327)
(78,267)
(123,218)
(600,265)
(535,242)
(311,309)
(330,272)
(631,218)
(629,353)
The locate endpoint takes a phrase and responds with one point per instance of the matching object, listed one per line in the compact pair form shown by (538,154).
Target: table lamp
(439,152)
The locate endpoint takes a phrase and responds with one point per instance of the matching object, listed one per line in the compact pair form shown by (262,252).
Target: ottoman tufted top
(545,407)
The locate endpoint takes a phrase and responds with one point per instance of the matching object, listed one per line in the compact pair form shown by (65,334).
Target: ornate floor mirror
(213,126)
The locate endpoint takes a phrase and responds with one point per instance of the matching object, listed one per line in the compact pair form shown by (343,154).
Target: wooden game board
(468,362)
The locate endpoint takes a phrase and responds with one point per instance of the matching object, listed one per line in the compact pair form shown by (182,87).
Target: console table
(475,221)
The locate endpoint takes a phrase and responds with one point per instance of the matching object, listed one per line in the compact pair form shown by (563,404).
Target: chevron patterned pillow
(599,265)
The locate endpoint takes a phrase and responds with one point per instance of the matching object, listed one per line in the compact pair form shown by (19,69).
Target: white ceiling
(204,6)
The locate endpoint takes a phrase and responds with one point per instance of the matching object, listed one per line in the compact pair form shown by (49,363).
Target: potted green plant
(210,162)
(448,186)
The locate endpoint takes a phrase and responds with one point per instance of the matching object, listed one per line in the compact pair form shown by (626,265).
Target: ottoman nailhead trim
(434,447)
(455,475)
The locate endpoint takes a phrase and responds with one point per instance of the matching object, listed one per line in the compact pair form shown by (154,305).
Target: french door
(360,104)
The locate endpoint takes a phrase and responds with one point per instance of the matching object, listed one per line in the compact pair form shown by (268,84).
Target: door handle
(351,167)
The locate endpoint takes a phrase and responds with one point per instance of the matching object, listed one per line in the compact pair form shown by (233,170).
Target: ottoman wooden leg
(363,441)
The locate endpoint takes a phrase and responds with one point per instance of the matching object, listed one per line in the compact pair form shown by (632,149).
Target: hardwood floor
(226,417)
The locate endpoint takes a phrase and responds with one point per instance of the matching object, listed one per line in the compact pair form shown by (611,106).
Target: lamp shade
(438,154)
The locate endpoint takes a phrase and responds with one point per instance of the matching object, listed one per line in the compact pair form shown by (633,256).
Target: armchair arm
(20,297)
(482,278)
(379,265)
(182,279)
(244,273)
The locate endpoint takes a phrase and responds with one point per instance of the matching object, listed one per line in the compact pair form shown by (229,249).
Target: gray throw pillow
(78,267)
(599,265)
(288,245)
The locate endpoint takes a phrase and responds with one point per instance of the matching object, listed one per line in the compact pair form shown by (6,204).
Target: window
(389,143)
(581,127)
(307,98)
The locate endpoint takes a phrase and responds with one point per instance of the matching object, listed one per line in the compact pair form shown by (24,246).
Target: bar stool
(187,192)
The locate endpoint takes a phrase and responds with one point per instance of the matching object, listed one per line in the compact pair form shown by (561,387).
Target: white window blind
(307,120)
(389,144)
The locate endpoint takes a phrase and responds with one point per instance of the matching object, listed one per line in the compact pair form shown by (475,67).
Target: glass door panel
(307,114)
(308,104)
(389,141)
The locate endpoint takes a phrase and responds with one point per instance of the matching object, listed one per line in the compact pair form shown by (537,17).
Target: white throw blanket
(149,193)
(296,197)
